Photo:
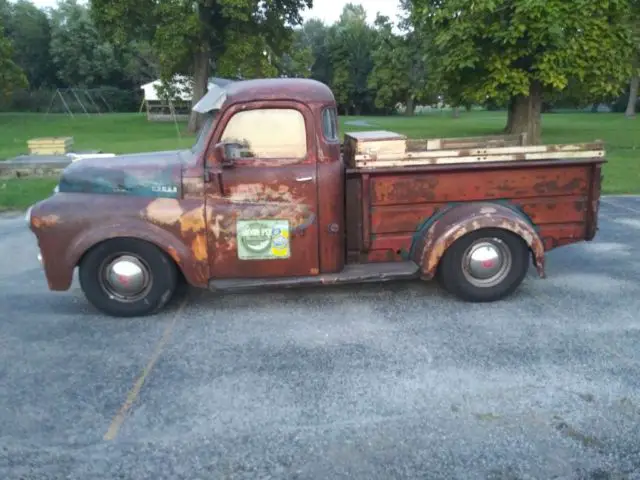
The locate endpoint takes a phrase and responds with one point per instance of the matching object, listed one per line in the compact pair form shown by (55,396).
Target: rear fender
(439,233)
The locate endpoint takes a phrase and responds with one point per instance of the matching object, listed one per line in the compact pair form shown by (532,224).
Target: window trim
(233,108)
(334,122)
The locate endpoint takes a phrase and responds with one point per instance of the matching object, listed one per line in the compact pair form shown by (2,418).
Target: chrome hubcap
(126,278)
(486,262)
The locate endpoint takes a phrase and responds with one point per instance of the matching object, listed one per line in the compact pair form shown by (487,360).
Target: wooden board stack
(383,149)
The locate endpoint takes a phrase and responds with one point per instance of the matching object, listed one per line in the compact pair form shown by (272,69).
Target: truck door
(261,192)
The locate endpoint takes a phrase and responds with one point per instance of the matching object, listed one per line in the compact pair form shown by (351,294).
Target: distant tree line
(523,56)
(61,48)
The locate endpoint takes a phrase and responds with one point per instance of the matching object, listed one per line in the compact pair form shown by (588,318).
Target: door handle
(304,179)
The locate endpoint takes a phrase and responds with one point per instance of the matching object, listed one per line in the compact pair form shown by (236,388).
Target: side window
(267,133)
(330,124)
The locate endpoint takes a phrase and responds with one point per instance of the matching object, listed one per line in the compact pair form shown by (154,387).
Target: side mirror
(220,154)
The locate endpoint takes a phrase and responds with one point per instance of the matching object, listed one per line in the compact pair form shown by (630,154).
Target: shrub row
(104,99)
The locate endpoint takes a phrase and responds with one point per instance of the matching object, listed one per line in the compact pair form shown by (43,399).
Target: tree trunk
(456,112)
(200,83)
(633,97)
(510,115)
(411,106)
(525,113)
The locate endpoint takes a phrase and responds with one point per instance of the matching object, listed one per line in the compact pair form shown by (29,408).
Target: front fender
(67,225)
(195,272)
(438,235)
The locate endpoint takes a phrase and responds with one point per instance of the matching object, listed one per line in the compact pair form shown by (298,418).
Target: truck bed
(387,202)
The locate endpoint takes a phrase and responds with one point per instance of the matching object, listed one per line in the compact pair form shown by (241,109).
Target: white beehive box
(374,143)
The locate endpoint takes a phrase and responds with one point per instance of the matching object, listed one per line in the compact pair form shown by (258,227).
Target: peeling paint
(164,211)
(258,192)
(46,221)
(199,248)
(467,218)
(192,221)
(216,229)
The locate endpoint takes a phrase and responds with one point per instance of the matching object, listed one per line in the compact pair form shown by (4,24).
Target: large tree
(298,61)
(517,51)
(351,42)
(315,36)
(29,30)
(399,70)
(11,76)
(634,84)
(81,57)
(189,36)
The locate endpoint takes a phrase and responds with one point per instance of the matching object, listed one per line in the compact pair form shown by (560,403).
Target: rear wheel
(485,265)
(126,277)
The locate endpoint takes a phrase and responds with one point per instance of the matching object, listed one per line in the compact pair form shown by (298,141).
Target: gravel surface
(369,382)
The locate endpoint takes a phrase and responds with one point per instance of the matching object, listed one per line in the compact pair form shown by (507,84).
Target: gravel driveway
(369,382)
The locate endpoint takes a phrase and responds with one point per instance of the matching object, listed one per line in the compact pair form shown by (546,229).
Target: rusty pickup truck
(269,195)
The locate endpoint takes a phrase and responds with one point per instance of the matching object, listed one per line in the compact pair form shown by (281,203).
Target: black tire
(161,278)
(458,280)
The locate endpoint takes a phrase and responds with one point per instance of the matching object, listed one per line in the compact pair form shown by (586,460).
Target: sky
(326,10)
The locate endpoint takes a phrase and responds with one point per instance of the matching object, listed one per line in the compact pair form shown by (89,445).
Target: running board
(355,273)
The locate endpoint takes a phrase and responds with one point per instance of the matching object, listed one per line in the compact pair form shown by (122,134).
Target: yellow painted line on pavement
(119,419)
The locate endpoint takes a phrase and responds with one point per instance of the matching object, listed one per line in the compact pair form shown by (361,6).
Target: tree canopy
(238,37)
(525,55)
(517,51)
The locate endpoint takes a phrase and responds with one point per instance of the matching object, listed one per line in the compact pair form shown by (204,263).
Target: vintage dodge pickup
(269,196)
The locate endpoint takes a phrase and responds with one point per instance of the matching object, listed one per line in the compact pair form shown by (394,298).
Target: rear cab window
(330,124)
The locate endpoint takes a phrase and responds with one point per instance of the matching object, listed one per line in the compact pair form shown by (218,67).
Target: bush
(28,101)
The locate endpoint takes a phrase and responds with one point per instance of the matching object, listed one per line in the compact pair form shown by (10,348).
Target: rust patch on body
(199,248)
(163,211)
(251,192)
(193,221)
(216,227)
(46,221)
(173,253)
(476,184)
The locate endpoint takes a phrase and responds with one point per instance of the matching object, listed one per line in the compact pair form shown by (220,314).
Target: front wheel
(485,265)
(125,277)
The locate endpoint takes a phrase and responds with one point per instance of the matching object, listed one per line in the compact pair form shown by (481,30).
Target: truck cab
(269,195)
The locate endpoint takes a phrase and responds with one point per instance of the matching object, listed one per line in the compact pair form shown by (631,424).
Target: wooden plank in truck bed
(383,142)
(440,157)
(455,143)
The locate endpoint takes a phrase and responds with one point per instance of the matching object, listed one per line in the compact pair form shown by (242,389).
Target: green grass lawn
(20,193)
(127,133)
(113,133)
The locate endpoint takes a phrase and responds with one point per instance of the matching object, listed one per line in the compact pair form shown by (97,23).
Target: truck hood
(153,174)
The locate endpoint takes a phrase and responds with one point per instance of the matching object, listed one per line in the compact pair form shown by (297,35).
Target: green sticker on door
(263,239)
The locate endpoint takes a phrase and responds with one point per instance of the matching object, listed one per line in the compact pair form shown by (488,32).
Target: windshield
(207,126)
